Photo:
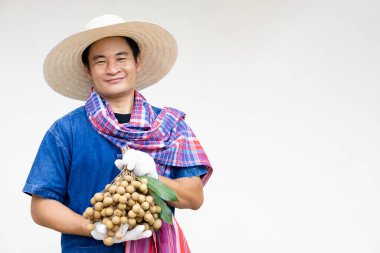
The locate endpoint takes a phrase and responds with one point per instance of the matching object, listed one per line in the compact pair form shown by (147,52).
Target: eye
(100,62)
(121,59)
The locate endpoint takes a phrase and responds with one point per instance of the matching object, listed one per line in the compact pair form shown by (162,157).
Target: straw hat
(65,72)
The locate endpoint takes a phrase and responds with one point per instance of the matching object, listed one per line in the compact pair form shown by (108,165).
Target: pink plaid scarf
(166,136)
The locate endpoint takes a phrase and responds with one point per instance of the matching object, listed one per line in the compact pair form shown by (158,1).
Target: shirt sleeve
(48,175)
(192,171)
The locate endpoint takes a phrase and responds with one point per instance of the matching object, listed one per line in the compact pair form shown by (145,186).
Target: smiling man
(106,65)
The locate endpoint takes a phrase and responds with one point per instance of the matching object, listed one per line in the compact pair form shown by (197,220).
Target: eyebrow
(122,53)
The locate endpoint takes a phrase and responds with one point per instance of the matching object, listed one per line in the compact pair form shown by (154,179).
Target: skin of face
(113,69)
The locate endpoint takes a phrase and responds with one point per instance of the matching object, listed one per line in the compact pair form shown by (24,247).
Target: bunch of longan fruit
(126,200)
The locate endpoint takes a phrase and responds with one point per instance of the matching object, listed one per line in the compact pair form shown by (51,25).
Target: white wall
(282,94)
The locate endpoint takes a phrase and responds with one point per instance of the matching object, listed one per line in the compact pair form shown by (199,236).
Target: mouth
(114,80)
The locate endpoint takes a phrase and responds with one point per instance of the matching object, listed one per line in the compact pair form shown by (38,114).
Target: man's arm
(189,191)
(53,214)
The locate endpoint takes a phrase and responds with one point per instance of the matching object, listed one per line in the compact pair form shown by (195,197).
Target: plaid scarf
(166,136)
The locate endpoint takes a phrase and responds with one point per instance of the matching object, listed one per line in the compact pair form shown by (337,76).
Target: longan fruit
(108,241)
(111,233)
(144,181)
(153,209)
(149,199)
(120,190)
(118,213)
(130,189)
(115,220)
(136,184)
(136,208)
(131,223)
(139,219)
(131,214)
(148,217)
(135,196)
(116,197)
(103,212)
(98,206)
(89,211)
(90,226)
(109,224)
(141,213)
(157,224)
(123,220)
(145,205)
(131,202)
(119,236)
(107,186)
(121,206)
(141,198)
(158,209)
(107,201)
(143,188)
(128,178)
(155,216)
(92,201)
(109,211)
(124,183)
(98,197)
(146,226)
(97,215)
(123,199)
(112,189)
(115,228)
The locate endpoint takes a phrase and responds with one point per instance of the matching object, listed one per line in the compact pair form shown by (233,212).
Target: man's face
(112,68)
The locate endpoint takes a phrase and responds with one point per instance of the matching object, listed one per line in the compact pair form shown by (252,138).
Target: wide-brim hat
(65,72)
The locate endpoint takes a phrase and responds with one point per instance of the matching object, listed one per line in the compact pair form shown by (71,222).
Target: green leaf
(166,213)
(160,189)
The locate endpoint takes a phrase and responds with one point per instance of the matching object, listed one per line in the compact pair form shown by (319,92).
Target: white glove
(100,232)
(134,234)
(142,164)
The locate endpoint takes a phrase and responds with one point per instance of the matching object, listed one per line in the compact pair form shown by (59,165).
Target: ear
(88,73)
(139,63)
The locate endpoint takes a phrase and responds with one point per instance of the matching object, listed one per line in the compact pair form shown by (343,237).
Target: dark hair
(133,45)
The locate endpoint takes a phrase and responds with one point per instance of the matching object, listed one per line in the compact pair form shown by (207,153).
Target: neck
(122,105)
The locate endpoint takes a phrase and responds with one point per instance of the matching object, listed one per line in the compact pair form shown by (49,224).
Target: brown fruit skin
(130,189)
(98,197)
(98,206)
(123,220)
(120,190)
(90,226)
(107,201)
(123,199)
(143,188)
(108,241)
(157,224)
(144,181)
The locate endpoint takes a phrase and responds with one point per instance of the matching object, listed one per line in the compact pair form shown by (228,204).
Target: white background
(282,94)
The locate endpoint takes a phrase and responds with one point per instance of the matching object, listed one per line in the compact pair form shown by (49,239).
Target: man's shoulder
(72,119)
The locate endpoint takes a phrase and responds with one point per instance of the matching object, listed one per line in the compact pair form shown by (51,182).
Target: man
(106,65)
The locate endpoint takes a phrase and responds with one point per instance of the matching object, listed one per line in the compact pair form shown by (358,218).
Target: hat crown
(104,20)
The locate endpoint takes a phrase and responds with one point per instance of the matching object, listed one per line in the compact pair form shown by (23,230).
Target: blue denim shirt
(74,162)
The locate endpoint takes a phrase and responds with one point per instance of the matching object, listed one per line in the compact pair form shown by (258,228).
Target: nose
(112,68)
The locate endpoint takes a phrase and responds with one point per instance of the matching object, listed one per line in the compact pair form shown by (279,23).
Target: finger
(135,233)
(119,164)
(130,161)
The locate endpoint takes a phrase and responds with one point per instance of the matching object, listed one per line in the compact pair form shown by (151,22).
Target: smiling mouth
(114,80)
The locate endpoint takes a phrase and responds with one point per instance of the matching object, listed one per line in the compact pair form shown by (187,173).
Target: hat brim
(65,72)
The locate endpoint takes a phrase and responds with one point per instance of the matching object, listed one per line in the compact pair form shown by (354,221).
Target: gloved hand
(142,164)
(100,232)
